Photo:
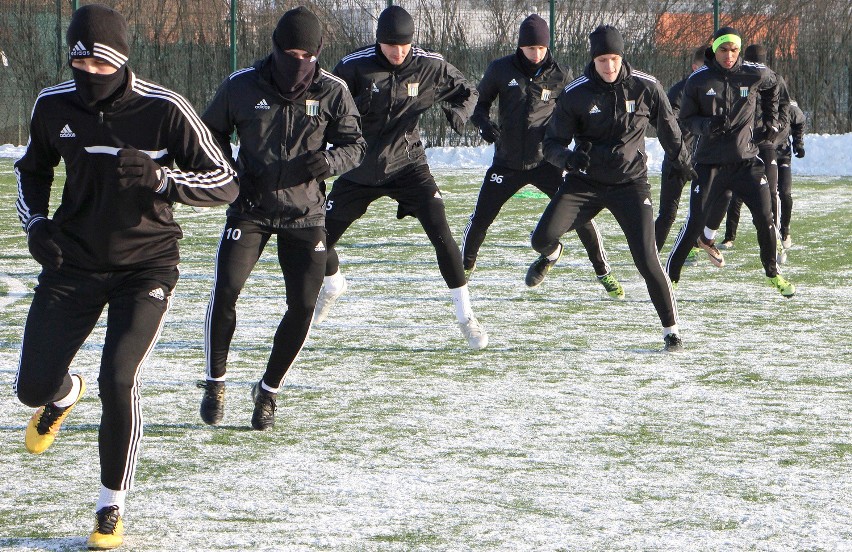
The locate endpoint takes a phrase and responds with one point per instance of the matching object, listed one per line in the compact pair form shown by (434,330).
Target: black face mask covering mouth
(292,75)
(95,88)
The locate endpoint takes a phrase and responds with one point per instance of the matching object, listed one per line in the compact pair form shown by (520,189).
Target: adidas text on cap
(100,32)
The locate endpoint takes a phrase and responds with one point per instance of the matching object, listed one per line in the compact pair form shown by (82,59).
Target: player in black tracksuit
(718,105)
(285,109)
(112,240)
(526,85)
(606,112)
(393,83)
(791,141)
(766,151)
(671,184)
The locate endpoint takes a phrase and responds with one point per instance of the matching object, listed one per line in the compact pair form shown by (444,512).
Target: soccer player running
(791,141)
(767,151)
(285,109)
(112,240)
(605,112)
(719,105)
(393,83)
(526,85)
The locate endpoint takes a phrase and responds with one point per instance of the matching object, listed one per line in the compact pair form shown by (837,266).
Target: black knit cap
(756,53)
(534,32)
(100,32)
(395,26)
(606,40)
(299,29)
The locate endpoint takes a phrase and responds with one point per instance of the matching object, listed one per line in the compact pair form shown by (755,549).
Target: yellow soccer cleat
(45,423)
(109,530)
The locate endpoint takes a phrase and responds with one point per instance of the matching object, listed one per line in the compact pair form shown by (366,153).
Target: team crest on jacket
(413,89)
(311,108)
(711,92)
(630,106)
(545,94)
(743,91)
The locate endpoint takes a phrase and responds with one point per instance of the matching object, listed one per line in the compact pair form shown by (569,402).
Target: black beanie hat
(299,29)
(395,26)
(756,53)
(100,32)
(534,32)
(606,40)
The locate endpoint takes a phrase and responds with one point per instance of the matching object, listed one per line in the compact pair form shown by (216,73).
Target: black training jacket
(613,117)
(783,112)
(713,90)
(102,228)
(675,95)
(275,134)
(524,108)
(795,129)
(391,100)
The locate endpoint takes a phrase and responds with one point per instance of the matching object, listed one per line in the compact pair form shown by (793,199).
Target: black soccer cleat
(264,408)
(539,269)
(673,343)
(213,401)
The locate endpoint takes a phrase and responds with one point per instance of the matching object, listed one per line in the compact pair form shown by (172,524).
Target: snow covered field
(571,431)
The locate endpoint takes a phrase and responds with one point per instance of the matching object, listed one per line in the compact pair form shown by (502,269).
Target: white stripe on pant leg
(209,314)
(601,246)
(677,241)
(466,230)
(136,408)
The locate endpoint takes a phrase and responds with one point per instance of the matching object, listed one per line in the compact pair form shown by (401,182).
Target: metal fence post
(715,15)
(552,21)
(233,35)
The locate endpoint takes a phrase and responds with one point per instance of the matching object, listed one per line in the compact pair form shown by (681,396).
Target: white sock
(461,300)
(671,330)
(335,282)
(267,388)
(72,395)
(710,234)
(108,497)
(556,252)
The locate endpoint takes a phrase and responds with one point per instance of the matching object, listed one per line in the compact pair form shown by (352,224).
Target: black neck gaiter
(95,88)
(292,76)
(531,69)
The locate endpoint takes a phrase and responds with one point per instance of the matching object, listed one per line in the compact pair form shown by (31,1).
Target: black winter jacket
(712,90)
(524,107)
(795,130)
(675,95)
(275,134)
(103,228)
(391,100)
(613,117)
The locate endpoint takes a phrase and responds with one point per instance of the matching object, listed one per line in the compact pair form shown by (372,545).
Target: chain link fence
(186,44)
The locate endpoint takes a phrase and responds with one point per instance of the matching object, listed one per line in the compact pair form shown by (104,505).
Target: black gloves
(770,133)
(799,149)
(578,158)
(490,132)
(456,121)
(684,171)
(136,169)
(311,166)
(719,124)
(42,247)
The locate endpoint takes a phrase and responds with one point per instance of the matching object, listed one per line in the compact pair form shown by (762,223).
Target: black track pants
(499,185)
(745,179)
(577,202)
(417,195)
(302,257)
(65,309)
